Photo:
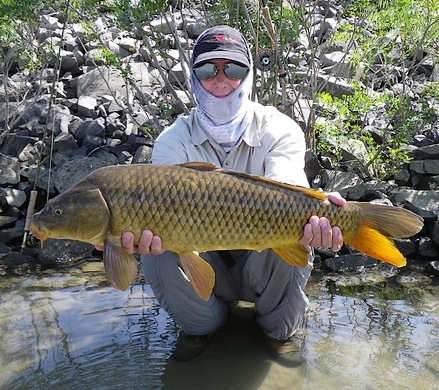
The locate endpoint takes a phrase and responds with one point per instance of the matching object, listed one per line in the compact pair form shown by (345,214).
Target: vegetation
(387,43)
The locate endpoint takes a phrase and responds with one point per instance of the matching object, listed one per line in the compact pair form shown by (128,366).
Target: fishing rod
(266,59)
(49,119)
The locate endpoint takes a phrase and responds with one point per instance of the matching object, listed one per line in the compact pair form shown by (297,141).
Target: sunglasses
(208,71)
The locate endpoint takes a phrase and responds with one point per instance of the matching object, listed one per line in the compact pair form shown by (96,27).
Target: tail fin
(380,223)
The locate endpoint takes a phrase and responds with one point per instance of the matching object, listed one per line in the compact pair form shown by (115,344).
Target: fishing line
(49,119)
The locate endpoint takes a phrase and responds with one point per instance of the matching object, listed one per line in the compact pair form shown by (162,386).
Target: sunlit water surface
(71,331)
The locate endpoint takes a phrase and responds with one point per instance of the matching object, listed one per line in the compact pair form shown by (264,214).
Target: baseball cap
(221,42)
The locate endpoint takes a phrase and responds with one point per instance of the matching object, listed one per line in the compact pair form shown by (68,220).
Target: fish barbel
(199,207)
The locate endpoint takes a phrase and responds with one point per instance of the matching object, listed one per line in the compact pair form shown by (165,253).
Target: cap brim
(223,55)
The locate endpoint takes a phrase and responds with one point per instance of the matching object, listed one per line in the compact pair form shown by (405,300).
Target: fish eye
(58,210)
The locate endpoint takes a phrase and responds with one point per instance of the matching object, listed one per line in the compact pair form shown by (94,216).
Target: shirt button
(227,163)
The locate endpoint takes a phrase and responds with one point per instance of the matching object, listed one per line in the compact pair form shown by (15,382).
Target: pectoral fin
(294,254)
(199,272)
(120,266)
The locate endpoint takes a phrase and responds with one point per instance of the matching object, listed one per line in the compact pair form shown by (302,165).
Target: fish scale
(253,209)
(197,207)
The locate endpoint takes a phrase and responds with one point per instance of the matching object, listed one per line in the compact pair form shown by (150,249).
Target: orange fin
(199,272)
(380,224)
(121,267)
(374,244)
(294,254)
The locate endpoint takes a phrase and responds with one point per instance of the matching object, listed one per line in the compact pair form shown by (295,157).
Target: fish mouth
(38,232)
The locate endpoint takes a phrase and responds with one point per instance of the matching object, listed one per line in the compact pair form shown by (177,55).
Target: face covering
(225,119)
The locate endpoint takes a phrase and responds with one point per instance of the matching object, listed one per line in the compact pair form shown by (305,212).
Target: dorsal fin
(203,166)
(200,166)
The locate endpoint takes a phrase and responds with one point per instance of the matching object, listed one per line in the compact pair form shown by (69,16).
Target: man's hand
(318,231)
(148,243)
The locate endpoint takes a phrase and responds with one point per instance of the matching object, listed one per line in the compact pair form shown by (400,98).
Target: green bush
(343,127)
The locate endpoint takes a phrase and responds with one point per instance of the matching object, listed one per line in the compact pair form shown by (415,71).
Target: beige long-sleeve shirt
(272,146)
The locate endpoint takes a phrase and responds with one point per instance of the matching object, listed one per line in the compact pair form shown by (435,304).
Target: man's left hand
(319,233)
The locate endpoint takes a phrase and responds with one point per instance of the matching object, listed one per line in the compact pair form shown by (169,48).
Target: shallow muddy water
(70,330)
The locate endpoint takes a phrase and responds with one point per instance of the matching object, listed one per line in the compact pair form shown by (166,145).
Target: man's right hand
(148,243)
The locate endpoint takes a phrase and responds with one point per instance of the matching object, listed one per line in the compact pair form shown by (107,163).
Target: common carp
(200,207)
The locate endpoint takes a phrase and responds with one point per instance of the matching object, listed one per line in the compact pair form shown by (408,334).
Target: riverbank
(95,119)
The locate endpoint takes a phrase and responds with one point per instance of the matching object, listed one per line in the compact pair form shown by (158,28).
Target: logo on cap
(222,38)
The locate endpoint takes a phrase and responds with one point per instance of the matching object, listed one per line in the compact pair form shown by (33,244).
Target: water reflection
(73,332)
(369,342)
(77,338)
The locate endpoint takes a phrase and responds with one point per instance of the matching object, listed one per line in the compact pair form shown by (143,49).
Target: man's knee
(159,266)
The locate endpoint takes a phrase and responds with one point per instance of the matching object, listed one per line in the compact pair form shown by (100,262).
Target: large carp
(199,207)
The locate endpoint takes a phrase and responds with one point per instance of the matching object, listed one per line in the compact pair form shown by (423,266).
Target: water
(69,330)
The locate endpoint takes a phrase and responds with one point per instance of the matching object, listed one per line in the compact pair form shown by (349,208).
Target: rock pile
(98,118)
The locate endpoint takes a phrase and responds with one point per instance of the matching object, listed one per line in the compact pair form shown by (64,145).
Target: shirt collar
(250,137)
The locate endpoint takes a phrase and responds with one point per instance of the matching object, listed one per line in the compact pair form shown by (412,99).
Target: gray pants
(264,278)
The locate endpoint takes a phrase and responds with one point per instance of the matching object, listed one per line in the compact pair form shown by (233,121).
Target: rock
(179,73)
(30,153)
(75,170)
(15,143)
(337,64)
(312,165)
(406,247)
(426,248)
(358,281)
(15,198)
(104,155)
(177,107)
(4,249)
(377,189)
(419,181)
(433,182)
(101,81)
(421,140)
(80,129)
(15,259)
(56,252)
(13,234)
(413,280)
(163,24)
(91,142)
(433,267)
(127,43)
(93,267)
(349,263)
(348,184)
(423,200)
(7,221)
(87,106)
(9,170)
(425,152)
(125,157)
(142,155)
(69,61)
(194,29)
(402,177)
(334,85)
(64,142)
(429,167)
